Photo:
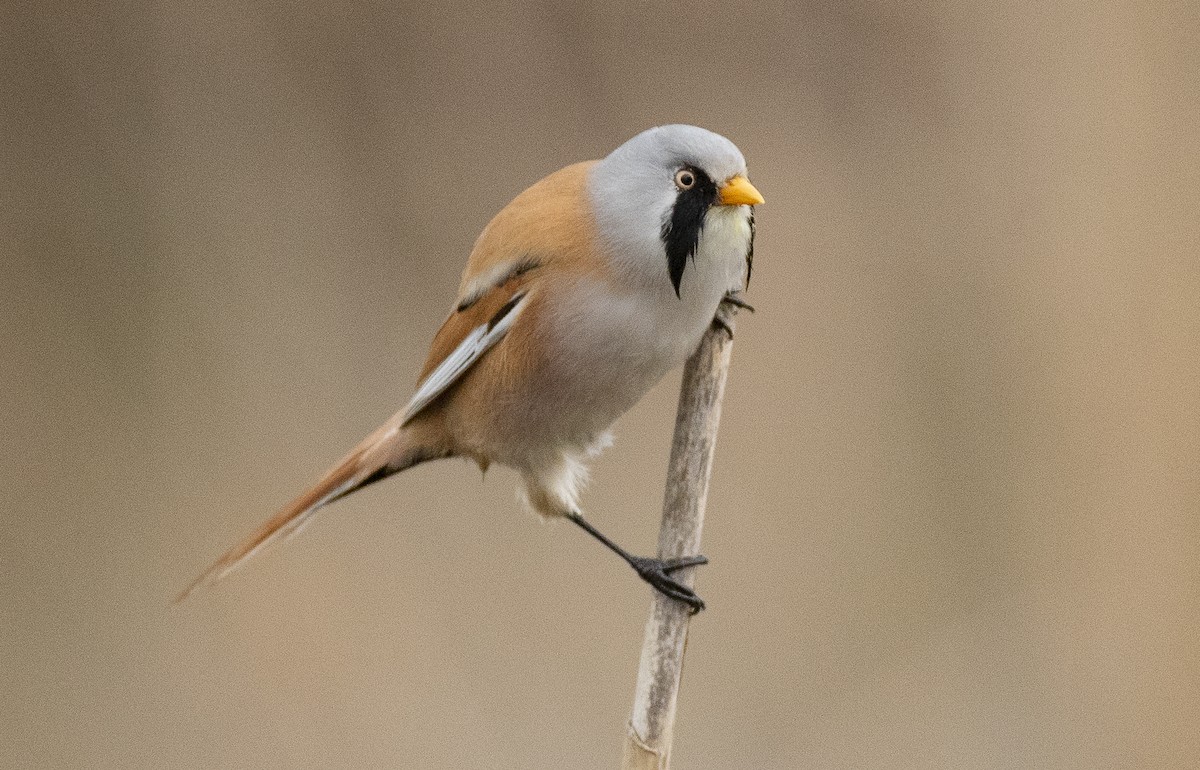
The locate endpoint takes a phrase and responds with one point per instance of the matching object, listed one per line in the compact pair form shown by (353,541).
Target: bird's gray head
(652,195)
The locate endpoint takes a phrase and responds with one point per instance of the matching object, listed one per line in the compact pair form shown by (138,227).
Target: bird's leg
(656,572)
(732,299)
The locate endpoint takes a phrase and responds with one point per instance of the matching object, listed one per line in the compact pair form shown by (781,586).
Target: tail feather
(389,450)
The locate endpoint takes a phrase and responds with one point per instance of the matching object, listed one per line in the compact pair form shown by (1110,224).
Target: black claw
(656,573)
(671,565)
(733,299)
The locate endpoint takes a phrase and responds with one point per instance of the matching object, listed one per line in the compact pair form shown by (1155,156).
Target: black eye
(685,179)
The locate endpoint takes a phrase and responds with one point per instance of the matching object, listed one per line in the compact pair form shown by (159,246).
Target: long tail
(388,450)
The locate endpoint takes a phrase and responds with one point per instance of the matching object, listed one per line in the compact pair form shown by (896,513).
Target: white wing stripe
(474,345)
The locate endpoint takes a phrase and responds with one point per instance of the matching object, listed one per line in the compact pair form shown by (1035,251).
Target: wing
(548,226)
(478,340)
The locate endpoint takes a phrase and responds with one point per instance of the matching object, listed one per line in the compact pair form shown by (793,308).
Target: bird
(577,297)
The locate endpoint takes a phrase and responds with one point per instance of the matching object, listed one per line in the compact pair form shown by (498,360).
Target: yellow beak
(739,192)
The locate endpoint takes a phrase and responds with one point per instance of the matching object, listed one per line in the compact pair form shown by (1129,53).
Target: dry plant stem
(648,738)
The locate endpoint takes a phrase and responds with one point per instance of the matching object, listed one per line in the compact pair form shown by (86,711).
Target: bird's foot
(735,298)
(657,572)
(729,305)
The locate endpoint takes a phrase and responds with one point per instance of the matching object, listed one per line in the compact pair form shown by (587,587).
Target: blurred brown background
(953,520)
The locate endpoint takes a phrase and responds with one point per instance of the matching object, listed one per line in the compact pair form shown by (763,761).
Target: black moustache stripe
(750,251)
(681,231)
